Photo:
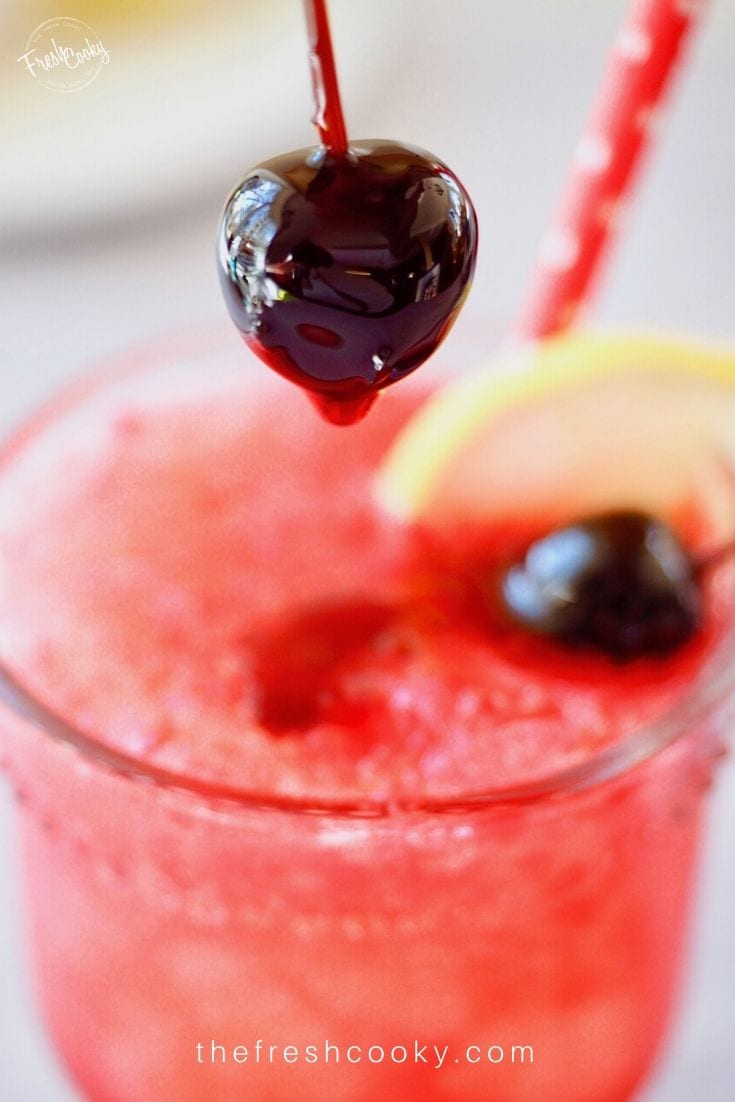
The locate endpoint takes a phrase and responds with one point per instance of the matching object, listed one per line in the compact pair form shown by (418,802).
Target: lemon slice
(576,424)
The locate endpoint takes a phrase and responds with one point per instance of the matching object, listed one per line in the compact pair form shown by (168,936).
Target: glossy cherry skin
(344,273)
(620,583)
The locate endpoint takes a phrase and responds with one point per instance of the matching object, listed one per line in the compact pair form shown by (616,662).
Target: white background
(108,206)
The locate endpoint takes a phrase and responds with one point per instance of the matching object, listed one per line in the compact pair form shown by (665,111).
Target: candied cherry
(344,265)
(620,583)
(344,273)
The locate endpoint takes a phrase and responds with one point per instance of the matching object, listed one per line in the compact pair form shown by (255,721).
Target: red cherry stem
(618,133)
(328,117)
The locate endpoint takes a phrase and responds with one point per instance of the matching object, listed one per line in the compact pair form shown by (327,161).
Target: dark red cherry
(344,272)
(620,583)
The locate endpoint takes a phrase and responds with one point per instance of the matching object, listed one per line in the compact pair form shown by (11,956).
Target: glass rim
(709,689)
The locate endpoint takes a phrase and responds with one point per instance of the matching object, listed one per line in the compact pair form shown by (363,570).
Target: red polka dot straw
(619,130)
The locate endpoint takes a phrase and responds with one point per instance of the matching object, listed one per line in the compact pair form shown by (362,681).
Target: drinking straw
(620,128)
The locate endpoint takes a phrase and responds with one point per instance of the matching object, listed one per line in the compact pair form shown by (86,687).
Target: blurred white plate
(173,115)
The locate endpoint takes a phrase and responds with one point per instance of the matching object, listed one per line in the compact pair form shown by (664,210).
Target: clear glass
(196,942)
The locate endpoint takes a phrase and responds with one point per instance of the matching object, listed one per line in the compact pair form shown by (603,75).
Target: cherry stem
(328,117)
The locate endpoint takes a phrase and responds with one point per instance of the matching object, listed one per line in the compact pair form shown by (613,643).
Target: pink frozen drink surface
(204,580)
(194,572)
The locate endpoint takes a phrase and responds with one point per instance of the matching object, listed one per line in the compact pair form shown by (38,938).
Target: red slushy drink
(300,818)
